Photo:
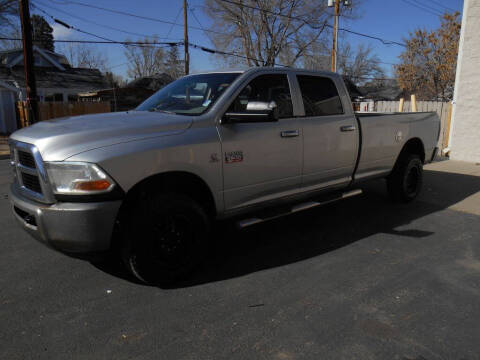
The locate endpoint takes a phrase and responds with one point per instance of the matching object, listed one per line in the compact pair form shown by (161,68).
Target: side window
(272,87)
(320,96)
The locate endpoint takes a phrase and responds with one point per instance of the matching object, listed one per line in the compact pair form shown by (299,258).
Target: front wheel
(406,179)
(165,238)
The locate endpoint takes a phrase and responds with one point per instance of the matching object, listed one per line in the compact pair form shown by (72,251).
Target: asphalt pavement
(357,279)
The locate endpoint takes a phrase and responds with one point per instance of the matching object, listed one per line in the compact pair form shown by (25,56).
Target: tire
(165,238)
(406,179)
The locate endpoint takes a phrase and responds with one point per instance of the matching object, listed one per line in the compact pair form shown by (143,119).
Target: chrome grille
(31,182)
(29,173)
(26,159)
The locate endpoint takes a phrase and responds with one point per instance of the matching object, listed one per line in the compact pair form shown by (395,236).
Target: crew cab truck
(252,145)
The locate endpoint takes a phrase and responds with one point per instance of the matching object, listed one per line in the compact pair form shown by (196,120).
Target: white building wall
(465,135)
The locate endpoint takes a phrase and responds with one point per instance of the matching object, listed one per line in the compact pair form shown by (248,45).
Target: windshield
(191,95)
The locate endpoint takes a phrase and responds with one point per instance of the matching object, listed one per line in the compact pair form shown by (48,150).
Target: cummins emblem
(233,156)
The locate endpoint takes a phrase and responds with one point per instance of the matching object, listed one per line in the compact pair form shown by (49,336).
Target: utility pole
(335,35)
(185,37)
(336,5)
(30,84)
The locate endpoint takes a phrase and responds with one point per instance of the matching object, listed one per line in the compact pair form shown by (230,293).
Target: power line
(423,7)
(175,22)
(107,40)
(441,5)
(199,24)
(381,62)
(214,51)
(384,41)
(129,14)
(64,24)
(165,44)
(118,65)
(110,42)
(226,53)
(93,22)
(127,43)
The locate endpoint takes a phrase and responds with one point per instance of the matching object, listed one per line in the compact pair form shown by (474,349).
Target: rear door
(261,160)
(330,133)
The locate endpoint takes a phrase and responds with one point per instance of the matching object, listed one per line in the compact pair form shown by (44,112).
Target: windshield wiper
(163,111)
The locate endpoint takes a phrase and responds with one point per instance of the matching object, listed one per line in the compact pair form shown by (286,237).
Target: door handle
(289,133)
(348,128)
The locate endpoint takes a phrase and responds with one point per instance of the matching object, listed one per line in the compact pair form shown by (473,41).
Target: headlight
(77,178)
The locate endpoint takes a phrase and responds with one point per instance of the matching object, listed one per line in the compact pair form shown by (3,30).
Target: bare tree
(282,29)
(318,57)
(114,80)
(145,60)
(15,33)
(360,65)
(428,64)
(8,15)
(85,56)
(9,26)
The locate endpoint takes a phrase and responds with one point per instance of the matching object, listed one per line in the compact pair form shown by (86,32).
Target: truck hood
(62,138)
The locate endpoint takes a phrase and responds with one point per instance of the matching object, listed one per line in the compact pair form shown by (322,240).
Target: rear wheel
(165,238)
(406,179)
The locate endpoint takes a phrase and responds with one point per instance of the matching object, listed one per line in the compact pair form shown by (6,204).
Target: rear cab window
(320,96)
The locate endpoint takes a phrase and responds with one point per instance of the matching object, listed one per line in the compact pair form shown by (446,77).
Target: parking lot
(358,279)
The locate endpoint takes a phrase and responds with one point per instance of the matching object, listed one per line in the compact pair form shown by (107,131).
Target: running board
(296,208)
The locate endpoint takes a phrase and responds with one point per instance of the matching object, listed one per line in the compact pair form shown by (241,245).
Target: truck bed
(383,136)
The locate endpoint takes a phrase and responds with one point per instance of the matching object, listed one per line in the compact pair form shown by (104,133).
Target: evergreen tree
(173,65)
(42,33)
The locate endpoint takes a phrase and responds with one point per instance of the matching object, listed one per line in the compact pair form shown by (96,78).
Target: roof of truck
(265,68)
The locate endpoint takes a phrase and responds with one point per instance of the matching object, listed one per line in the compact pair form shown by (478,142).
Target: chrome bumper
(69,227)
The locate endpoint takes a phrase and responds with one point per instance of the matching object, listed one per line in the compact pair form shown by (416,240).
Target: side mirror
(256,111)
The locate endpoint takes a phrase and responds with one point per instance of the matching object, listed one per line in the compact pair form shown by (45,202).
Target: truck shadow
(315,232)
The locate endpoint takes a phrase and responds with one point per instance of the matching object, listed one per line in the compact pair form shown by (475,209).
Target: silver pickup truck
(251,145)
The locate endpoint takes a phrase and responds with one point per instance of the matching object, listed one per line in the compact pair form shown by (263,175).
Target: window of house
(320,96)
(272,87)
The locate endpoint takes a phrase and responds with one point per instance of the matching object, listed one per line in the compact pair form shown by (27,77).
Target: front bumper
(69,227)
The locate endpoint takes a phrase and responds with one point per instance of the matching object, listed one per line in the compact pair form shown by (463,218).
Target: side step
(296,208)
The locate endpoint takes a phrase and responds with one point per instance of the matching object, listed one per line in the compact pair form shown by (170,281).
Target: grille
(26,159)
(31,182)
(29,173)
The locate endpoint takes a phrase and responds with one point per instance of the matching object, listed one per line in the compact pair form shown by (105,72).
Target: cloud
(60,32)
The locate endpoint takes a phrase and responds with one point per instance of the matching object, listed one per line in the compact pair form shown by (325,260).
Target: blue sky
(389,19)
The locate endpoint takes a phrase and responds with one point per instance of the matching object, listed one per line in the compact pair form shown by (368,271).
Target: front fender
(196,151)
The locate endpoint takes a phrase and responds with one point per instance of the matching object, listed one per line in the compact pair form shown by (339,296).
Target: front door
(261,160)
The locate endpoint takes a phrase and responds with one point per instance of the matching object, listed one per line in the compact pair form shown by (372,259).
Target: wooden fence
(443,109)
(51,110)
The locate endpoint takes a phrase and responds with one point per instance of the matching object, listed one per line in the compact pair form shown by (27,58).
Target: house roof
(14,57)
(153,82)
(8,86)
(386,91)
(353,90)
(52,78)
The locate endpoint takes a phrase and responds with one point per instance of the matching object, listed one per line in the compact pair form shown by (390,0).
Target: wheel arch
(182,182)
(413,146)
